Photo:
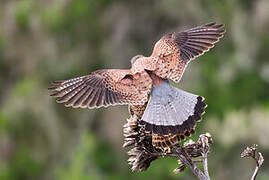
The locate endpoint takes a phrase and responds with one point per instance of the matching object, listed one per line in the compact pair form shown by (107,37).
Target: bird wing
(103,88)
(174,51)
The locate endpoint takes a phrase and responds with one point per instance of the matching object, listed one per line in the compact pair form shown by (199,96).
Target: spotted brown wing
(174,51)
(103,88)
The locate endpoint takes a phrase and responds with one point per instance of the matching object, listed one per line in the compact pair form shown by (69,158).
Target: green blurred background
(43,41)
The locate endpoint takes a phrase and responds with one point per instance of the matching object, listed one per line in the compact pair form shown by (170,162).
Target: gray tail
(172,111)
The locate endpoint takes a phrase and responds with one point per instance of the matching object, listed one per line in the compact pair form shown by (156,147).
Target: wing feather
(78,93)
(92,104)
(83,96)
(176,50)
(103,88)
(107,97)
(100,100)
(85,101)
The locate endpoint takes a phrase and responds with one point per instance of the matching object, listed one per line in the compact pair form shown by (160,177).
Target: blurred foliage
(42,41)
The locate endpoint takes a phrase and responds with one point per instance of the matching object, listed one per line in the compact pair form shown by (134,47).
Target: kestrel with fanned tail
(167,113)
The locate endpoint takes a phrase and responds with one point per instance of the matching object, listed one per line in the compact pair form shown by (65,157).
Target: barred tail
(171,114)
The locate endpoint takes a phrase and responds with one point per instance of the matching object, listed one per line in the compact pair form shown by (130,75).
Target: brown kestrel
(167,113)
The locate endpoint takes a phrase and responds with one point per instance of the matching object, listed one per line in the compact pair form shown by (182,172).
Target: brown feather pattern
(103,88)
(174,51)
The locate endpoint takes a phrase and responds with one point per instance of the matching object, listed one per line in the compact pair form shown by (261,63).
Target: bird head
(135,58)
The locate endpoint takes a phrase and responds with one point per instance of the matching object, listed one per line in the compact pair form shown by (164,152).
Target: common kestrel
(167,113)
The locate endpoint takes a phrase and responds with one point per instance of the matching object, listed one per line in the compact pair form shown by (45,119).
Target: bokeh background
(42,41)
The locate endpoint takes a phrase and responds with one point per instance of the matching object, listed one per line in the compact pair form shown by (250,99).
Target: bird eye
(128,76)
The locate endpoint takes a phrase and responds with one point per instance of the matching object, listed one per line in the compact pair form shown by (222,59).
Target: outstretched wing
(174,51)
(103,88)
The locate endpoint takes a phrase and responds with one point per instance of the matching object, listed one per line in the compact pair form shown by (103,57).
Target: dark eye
(128,76)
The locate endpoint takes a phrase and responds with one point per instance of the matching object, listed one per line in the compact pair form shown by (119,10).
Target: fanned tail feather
(171,115)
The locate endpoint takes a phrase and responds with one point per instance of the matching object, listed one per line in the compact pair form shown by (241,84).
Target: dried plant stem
(187,152)
(204,155)
(186,160)
(255,173)
(143,152)
(259,161)
(257,156)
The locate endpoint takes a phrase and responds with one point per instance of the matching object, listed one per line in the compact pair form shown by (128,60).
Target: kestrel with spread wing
(167,113)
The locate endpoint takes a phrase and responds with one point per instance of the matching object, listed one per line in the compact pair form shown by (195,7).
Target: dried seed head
(140,155)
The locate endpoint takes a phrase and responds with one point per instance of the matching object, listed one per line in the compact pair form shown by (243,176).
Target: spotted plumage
(173,52)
